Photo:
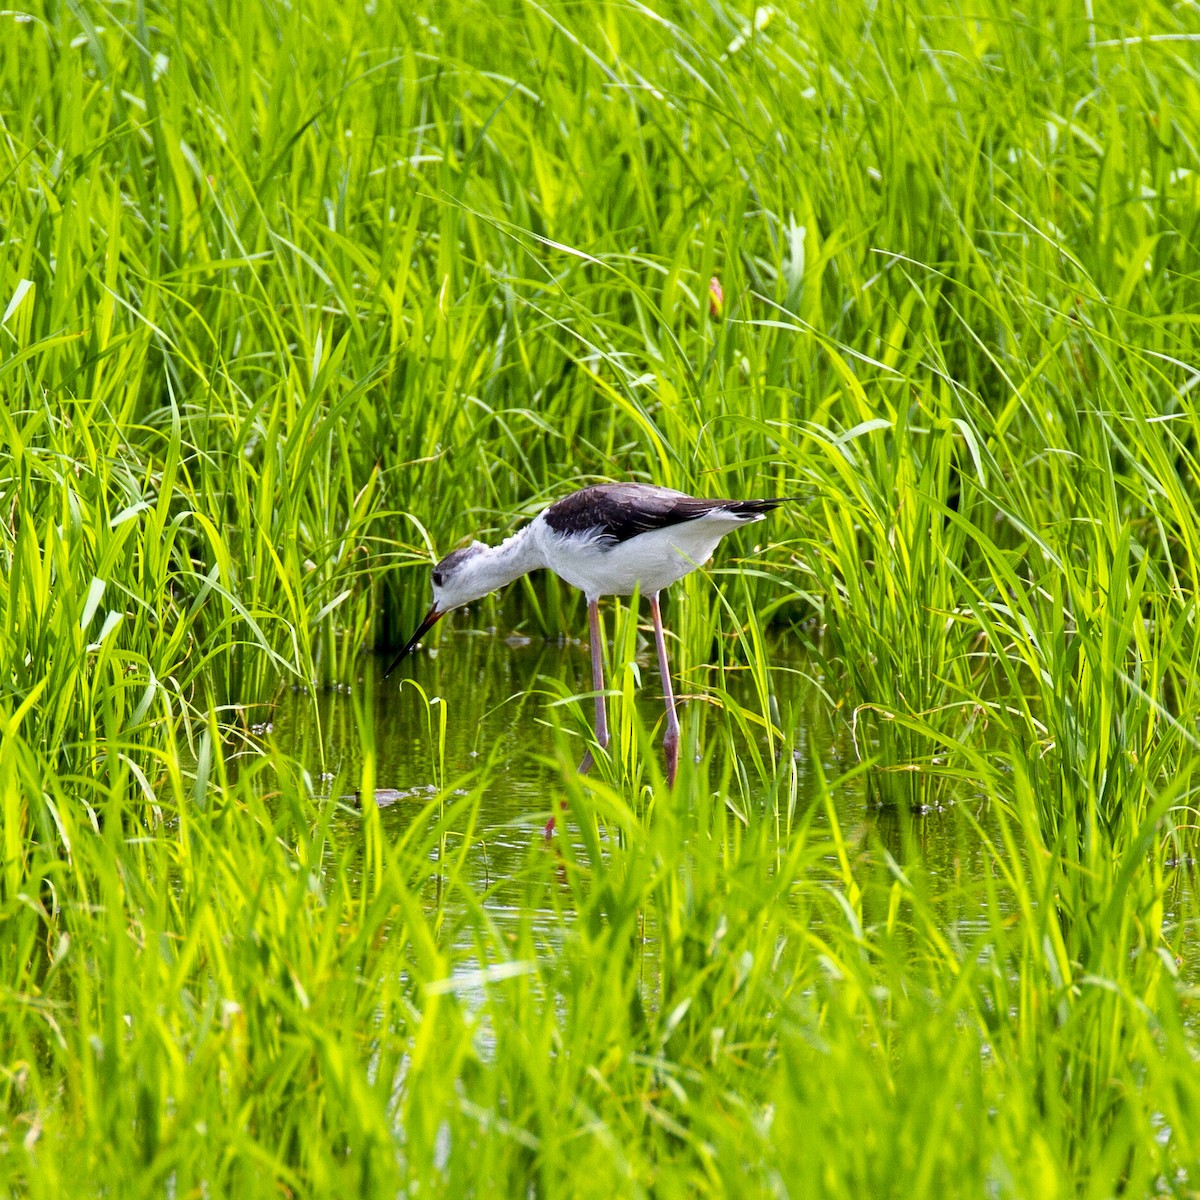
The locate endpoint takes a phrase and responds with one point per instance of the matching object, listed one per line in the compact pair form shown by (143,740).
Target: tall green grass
(296,296)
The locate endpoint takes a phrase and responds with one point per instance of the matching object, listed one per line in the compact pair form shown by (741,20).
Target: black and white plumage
(616,512)
(606,540)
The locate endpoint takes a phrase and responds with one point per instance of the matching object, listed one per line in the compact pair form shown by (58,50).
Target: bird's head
(455,583)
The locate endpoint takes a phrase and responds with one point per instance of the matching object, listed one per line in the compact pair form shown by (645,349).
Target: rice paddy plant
(885,566)
(295,297)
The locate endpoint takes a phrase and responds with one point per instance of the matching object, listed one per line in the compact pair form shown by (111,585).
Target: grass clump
(296,296)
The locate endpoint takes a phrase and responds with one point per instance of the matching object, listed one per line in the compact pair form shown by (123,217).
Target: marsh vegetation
(296,296)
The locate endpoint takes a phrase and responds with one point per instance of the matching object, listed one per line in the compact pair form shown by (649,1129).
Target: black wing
(616,512)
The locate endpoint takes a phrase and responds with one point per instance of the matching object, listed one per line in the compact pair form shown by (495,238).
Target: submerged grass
(295,296)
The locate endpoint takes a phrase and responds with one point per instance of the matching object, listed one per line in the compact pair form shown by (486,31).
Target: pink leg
(597,687)
(597,684)
(671,737)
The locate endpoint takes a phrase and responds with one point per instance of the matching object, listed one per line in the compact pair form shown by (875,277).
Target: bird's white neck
(496,566)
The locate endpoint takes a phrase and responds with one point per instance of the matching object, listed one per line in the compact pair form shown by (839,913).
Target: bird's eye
(437,579)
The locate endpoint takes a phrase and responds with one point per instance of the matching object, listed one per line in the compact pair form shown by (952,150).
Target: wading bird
(607,540)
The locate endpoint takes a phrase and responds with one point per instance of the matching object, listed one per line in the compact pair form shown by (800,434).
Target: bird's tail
(752,510)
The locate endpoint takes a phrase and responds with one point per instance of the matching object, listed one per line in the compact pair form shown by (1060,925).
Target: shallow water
(498,695)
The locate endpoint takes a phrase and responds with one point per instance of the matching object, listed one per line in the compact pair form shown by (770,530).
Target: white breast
(646,563)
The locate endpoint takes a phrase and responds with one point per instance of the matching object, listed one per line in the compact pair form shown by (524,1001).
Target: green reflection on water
(500,737)
(503,749)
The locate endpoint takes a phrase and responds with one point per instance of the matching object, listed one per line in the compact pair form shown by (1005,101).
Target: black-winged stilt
(607,540)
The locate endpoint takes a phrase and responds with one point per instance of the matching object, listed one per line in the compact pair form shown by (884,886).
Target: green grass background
(296,295)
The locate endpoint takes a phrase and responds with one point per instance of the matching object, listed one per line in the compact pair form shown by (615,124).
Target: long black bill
(432,617)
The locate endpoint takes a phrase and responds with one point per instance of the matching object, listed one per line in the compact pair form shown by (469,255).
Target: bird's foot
(552,824)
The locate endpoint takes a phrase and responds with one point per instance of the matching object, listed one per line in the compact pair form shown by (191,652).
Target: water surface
(503,736)
(500,694)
